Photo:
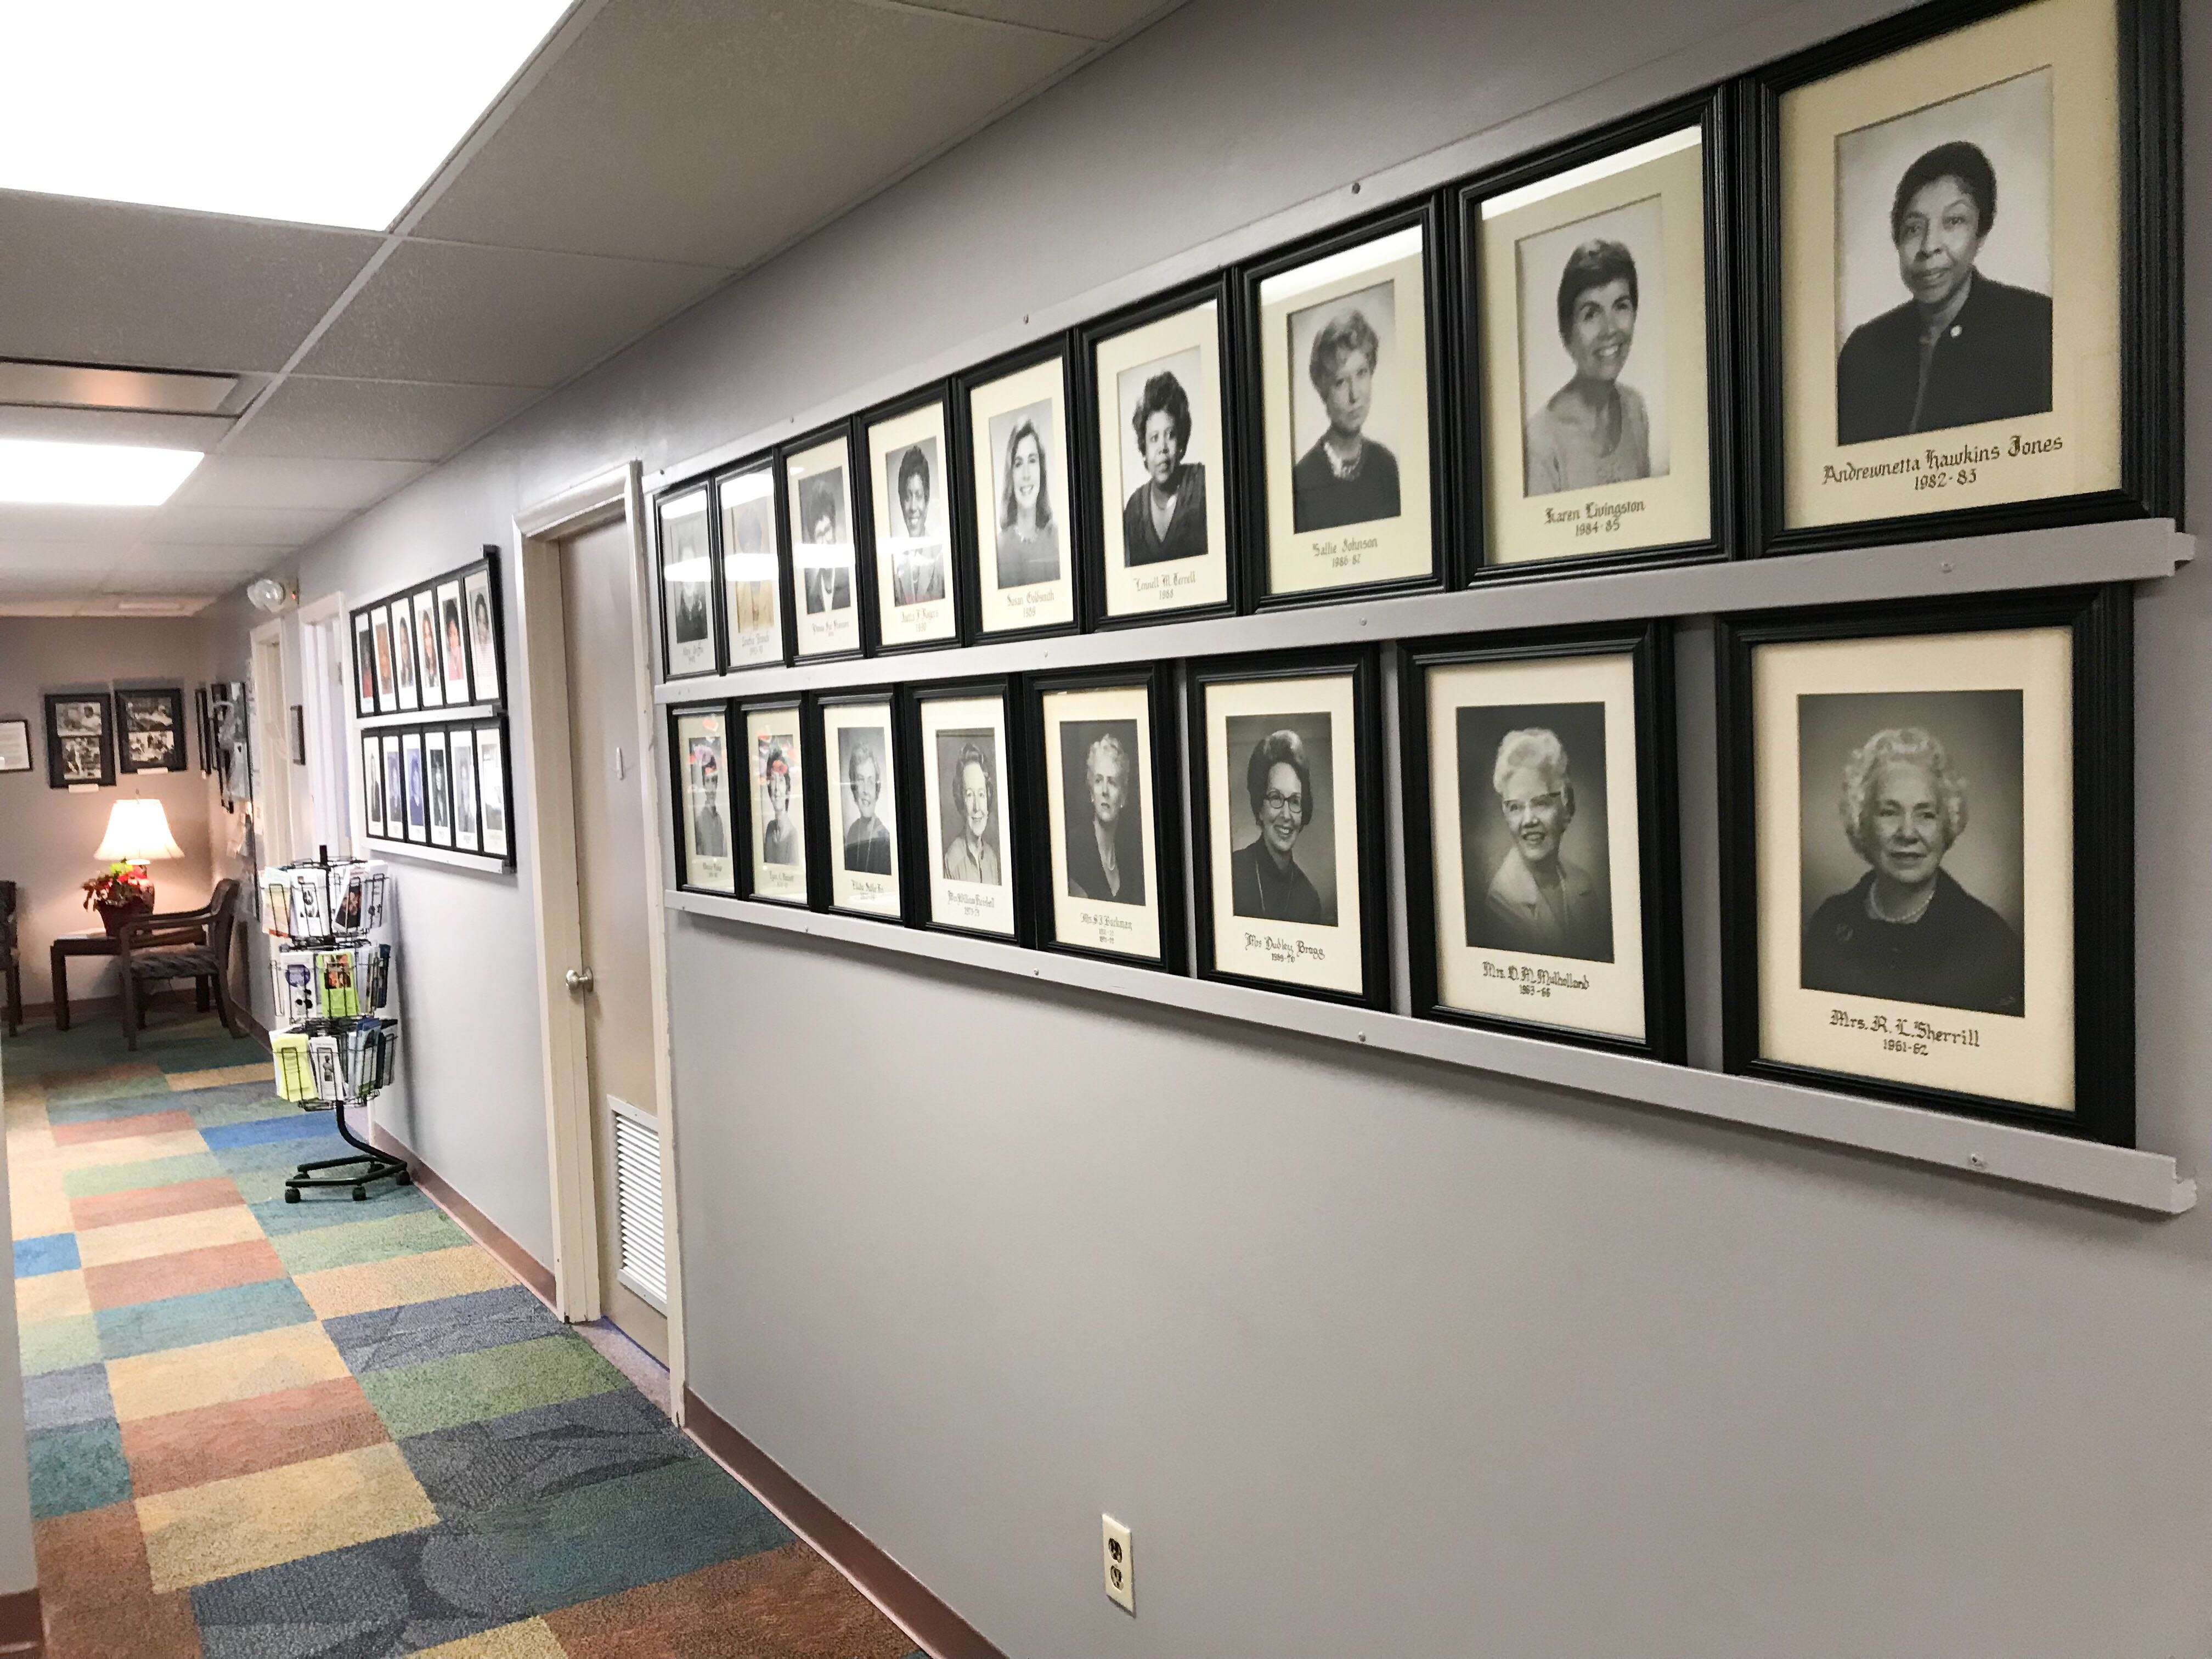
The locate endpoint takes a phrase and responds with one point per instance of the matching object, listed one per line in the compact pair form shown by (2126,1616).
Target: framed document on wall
(745,525)
(912,507)
(1927,855)
(1106,817)
(1286,774)
(1019,563)
(699,749)
(1970,278)
(1540,878)
(1157,449)
(687,584)
(961,735)
(1596,350)
(774,736)
(829,584)
(1345,384)
(860,776)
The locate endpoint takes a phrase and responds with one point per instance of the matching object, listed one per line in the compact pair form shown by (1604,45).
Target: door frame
(550,840)
(329,770)
(268,777)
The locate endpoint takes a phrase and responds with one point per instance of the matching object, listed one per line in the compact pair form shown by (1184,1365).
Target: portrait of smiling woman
(1028,529)
(1542,899)
(1284,793)
(1596,430)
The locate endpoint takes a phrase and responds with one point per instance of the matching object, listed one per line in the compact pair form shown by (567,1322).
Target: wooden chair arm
(147,932)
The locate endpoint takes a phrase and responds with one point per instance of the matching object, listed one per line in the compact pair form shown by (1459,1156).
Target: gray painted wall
(1374,1357)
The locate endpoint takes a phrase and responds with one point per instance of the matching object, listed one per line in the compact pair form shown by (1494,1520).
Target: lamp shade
(138,833)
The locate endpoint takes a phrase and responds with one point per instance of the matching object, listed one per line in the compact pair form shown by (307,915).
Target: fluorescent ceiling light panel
(37,473)
(84,386)
(271,109)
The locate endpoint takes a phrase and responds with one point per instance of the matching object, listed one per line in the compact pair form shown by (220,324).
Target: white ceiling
(652,149)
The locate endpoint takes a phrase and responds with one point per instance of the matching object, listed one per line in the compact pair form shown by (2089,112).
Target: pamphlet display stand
(330,977)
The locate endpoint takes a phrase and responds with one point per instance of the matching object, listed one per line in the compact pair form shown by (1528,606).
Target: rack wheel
(291,1194)
(360,1194)
(405,1177)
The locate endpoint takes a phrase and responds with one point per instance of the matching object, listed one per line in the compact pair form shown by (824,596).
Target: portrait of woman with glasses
(1283,786)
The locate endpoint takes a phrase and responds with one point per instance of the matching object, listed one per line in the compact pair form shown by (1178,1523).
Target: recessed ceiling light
(338,114)
(39,472)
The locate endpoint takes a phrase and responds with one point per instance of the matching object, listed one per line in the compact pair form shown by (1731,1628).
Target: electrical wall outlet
(1120,1572)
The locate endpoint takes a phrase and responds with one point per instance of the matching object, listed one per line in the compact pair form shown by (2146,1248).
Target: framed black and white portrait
(15,745)
(775,806)
(438,785)
(687,584)
(1108,823)
(912,500)
(80,739)
(454,642)
(752,617)
(1969,294)
(395,786)
(1346,384)
(1157,455)
(827,595)
(418,787)
(480,598)
(494,802)
(431,667)
(387,677)
(961,823)
(468,822)
(1539,860)
(1286,769)
(151,728)
(364,664)
(1927,864)
(857,781)
(398,621)
(1598,415)
(372,786)
(1019,543)
(706,830)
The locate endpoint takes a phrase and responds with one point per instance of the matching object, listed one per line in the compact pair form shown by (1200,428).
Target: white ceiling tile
(381,420)
(24,605)
(161,582)
(85,559)
(1094,20)
(269,481)
(153,288)
(499,316)
(118,526)
(247,526)
(114,425)
(717,130)
(44,585)
(192,558)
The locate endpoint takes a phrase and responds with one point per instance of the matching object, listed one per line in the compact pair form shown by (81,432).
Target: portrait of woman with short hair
(1164,517)
(1538,901)
(779,834)
(971,851)
(918,568)
(867,841)
(1105,852)
(1596,430)
(1265,879)
(1346,477)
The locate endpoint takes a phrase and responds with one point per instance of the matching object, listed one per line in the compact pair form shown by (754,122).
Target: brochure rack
(331,975)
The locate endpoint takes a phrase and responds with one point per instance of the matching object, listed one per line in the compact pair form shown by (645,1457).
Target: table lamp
(137,834)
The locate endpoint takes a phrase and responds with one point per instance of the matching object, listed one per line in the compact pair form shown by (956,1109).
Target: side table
(97,944)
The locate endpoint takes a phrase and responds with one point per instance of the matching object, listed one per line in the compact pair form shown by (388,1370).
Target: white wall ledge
(2139,550)
(2148,1183)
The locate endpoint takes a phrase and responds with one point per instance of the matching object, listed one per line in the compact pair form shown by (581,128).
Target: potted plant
(120,893)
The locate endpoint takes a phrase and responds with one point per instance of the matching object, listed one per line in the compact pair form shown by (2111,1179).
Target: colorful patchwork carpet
(339,1430)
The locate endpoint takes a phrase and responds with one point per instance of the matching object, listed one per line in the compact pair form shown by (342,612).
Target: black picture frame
(967,562)
(742,814)
(715,644)
(2151,409)
(1164,789)
(864,507)
(168,698)
(1649,647)
(206,726)
(718,555)
(1091,444)
(1361,665)
(672,719)
(14,725)
(429,665)
(1712,112)
(913,830)
(864,538)
(488,567)
(2100,620)
(1432,212)
(363,624)
(58,776)
(824,782)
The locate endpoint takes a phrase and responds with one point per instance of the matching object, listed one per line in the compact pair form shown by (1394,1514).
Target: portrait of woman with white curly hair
(1907,930)
(1542,899)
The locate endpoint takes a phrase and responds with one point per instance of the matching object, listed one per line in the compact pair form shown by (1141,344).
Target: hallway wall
(1374,1356)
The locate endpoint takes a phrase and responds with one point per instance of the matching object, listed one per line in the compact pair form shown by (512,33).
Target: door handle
(578,979)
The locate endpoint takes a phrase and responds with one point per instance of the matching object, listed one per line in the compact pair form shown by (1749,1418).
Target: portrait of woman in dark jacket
(1264,878)
(1165,516)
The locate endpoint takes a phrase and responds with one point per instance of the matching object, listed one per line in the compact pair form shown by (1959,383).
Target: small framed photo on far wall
(912,505)
(1286,774)
(700,750)
(775,774)
(828,590)
(687,584)
(1155,456)
(752,615)
(860,779)
(1106,814)
(1345,381)
(1926,855)
(1597,378)
(963,736)
(1971,299)
(480,591)
(1541,874)
(1017,561)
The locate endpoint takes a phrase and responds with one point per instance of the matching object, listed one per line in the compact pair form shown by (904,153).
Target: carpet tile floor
(339,1430)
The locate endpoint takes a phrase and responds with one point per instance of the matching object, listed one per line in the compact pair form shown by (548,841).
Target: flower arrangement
(118,893)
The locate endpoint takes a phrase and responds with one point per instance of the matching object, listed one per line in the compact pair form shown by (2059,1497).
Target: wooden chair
(193,945)
(12,969)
